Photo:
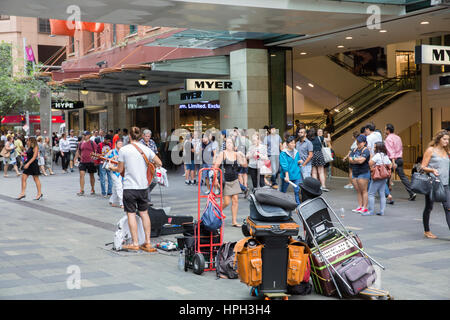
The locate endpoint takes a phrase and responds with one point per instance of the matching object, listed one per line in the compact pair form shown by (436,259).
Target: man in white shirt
(135,186)
(372,137)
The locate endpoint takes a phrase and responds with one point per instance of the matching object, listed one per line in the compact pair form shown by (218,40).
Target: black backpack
(225,261)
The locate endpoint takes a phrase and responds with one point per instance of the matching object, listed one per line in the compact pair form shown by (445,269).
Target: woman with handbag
(9,156)
(380,165)
(317,161)
(231,160)
(31,168)
(436,161)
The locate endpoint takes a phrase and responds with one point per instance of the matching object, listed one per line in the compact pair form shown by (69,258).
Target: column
(249,107)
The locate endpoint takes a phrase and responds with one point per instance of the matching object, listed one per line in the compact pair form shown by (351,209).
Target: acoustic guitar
(150,166)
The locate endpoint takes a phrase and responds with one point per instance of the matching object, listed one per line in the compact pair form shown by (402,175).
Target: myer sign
(429,54)
(212,85)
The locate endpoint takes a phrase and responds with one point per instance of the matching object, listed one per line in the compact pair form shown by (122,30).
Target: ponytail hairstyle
(380,147)
(135,133)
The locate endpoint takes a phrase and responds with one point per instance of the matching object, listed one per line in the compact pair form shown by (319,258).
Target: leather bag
(272,197)
(438,192)
(298,260)
(380,172)
(421,183)
(249,261)
(5,154)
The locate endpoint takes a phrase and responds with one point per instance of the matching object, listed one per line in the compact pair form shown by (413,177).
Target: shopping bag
(266,168)
(327,155)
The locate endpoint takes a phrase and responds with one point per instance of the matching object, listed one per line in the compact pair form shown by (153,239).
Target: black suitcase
(162,224)
(275,238)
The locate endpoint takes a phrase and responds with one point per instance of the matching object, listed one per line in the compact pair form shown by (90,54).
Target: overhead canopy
(125,79)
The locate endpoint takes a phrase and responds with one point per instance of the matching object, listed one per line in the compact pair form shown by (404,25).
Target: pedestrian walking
(31,168)
(394,149)
(10,158)
(117,190)
(380,158)
(274,145)
(257,155)
(64,147)
(436,161)
(83,155)
(41,156)
(188,158)
(104,148)
(135,186)
(231,160)
(48,156)
(290,168)
(306,152)
(19,150)
(73,141)
(359,160)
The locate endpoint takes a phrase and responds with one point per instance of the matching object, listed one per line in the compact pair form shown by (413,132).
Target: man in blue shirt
(290,170)
(305,149)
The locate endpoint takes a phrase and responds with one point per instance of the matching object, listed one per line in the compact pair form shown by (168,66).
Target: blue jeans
(285,185)
(306,171)
(377,186)
(387,192)
(102,172)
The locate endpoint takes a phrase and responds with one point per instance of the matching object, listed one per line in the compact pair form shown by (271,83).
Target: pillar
(249,107)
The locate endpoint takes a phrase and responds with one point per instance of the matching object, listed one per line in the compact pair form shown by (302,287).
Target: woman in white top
(377,186)
(9,146)
(256,155)
(64,147)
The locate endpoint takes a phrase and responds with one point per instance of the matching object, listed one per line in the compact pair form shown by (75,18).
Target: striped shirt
(73,141)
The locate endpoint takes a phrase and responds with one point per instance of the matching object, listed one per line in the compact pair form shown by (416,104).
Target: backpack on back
(225,265)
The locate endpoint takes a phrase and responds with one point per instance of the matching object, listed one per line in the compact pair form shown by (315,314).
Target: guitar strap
(150,167)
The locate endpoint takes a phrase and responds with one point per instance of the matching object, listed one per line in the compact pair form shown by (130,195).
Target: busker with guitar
(133,163)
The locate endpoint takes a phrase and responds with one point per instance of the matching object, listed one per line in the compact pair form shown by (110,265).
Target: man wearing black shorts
(85,148)
(135,186)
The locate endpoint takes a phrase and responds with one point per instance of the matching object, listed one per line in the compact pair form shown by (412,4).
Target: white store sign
(212,85)
(428,54)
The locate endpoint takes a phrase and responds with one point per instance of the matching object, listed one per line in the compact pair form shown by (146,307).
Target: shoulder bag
(421,182)
(150,166)
(326,151)
(380,172)
(438,192)
(5,154)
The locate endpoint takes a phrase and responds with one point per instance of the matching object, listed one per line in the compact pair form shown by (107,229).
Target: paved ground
(42,243)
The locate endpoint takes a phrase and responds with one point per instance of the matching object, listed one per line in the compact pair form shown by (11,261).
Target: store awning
(125,79)
(33,119)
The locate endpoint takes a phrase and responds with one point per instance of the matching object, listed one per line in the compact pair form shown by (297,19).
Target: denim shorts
(190,166)
(362,175)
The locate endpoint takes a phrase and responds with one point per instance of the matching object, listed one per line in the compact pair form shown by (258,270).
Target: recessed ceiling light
(302,53)
(298,87)
(273,55)
(340,46)
(348,38)
(311,85)
(425,22)
(383,31)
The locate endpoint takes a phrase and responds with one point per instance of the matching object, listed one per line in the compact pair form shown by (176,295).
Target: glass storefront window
(208,112)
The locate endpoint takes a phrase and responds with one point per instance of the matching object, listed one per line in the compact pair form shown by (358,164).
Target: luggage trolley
(330,242)
(200,250)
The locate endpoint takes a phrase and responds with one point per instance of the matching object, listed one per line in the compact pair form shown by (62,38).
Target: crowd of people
(268,158)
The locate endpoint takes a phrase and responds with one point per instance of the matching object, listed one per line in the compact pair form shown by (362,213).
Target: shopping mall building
(166,64)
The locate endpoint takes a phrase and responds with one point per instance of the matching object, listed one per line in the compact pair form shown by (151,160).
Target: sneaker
(81,193)
(358,210)
(380,213)
(366,212)
(187,182)
(348,186)
(412,197)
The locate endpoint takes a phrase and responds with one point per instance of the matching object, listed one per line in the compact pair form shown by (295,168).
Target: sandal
(237,225)
(429,235)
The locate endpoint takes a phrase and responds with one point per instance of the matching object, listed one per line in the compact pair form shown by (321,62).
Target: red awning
(33,119)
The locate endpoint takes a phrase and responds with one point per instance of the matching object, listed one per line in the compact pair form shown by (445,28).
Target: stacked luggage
(339,264)
(269,259)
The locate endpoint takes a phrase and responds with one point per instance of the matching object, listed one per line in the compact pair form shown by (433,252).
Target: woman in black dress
(31,168)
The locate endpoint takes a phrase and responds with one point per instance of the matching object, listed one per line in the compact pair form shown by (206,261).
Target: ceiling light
(340,46)
(299,88)
(311,85)
(84,91)
(350,108)
(383,31)
(142,81)
(348,38)
(425,22)
(302,53)
(273,55)
(337,110)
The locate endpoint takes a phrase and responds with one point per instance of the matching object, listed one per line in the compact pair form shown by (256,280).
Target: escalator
(354,110)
